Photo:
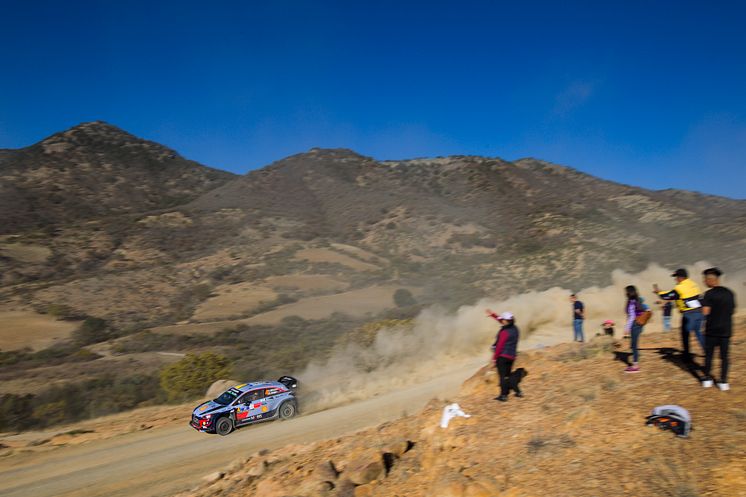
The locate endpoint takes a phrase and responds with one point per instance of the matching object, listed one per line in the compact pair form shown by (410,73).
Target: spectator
(505,351)
(608,327)
(578,315)
(686,293)
(634,309)
(718,305)
(667,308)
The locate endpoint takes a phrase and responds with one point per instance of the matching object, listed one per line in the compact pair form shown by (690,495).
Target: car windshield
(228,396)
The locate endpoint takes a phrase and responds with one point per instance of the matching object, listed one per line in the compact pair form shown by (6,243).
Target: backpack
(671,417)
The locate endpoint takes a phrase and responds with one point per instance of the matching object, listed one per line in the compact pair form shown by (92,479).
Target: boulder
(364,468)
(325,471)
(257,469)
(213,477)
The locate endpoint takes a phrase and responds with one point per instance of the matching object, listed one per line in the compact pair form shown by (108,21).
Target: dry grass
(326,255)
(232,300)
(21,329)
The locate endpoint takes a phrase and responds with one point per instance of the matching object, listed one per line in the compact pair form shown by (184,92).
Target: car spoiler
(289,382)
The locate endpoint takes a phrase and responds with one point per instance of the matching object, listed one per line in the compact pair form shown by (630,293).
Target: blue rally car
(246,404)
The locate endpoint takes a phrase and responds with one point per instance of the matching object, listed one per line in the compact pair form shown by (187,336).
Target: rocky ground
(579,431)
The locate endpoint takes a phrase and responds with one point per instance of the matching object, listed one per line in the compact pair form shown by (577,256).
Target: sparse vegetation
(92,330)
(190,376)
(75,401)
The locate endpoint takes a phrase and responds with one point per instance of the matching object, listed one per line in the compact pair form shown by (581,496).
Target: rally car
(246,404)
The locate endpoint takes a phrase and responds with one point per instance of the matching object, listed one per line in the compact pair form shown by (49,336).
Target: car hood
(208,407)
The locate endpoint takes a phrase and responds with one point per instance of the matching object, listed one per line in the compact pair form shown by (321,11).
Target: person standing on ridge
(718,305)
(667,307)
(634,309)
(686,293)
(505,351)
(578,315)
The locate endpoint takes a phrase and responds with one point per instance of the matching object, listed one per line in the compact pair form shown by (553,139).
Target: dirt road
(168,460)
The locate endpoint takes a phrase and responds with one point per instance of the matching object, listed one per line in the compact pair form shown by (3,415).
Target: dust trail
(439,340)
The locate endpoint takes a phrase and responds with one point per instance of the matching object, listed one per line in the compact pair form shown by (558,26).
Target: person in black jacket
(718,305)
(505,351)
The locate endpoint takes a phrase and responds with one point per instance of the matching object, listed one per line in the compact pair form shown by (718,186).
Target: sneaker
(706,383)
(632,369)
(502,398)
(723,386)
(519,394)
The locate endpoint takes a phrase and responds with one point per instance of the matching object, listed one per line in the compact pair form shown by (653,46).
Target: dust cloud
(441,341)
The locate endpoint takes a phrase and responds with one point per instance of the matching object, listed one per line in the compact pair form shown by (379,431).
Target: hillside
(91,171)
(581,418)
(289,261)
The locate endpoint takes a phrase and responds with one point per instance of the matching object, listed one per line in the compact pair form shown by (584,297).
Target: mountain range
(129,230)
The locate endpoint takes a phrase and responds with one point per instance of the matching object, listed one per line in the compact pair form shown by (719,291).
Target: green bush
(92,330)
(190,377)
(404,298)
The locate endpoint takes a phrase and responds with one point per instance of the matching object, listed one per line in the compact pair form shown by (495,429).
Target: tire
(287,410)
(223,426)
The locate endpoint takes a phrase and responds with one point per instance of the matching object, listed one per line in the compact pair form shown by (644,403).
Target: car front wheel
(287,410)
(223,426)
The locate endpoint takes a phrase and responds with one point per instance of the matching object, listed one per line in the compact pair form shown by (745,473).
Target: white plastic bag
(451,411)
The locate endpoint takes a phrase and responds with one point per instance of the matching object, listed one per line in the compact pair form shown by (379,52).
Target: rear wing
(290,382)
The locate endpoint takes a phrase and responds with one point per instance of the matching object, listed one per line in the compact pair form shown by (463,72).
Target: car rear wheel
(223,426)
(287,410)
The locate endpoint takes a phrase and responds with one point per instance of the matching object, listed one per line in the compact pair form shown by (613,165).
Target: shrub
(191,376)
(14,412)
(404,298)
(92,330)
(63,312)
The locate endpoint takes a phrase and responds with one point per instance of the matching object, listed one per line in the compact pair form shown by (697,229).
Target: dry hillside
(164,256)
(578,432)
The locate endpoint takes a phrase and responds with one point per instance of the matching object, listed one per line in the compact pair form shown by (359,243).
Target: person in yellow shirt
(686,293)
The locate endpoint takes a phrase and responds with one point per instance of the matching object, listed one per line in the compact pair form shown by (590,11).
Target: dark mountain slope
(94,170)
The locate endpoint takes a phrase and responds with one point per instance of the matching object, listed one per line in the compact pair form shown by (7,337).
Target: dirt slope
(578,432)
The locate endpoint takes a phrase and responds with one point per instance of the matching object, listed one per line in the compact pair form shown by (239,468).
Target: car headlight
(208,416)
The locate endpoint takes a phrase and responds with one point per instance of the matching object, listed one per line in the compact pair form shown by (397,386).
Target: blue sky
(646,93)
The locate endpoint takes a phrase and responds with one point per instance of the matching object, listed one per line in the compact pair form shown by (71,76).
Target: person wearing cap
(505,351)
(686,293)
(718,305)
(608,327)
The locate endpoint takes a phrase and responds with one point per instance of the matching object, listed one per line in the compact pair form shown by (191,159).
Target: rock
(366,467)
(364,490)
(345,488)
(398,446)
(326,471)
(213,477)
(449,489)
(257,469)
(314,488)
(476,489)
(269,487)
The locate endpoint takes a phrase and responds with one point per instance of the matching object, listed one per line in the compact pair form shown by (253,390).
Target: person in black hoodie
(718,306)
(505,351)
